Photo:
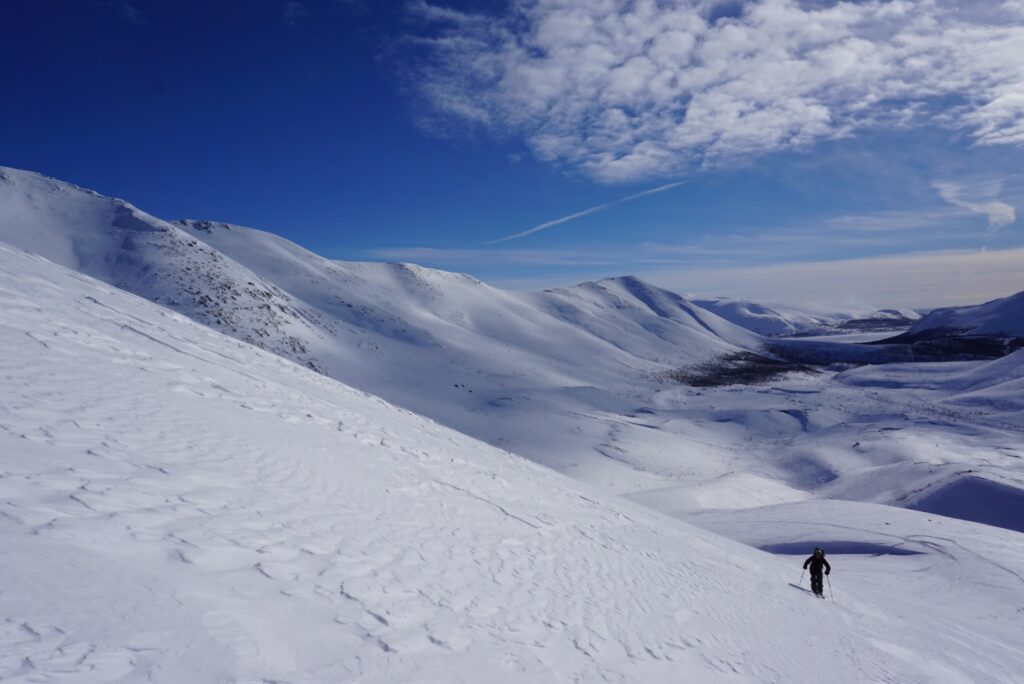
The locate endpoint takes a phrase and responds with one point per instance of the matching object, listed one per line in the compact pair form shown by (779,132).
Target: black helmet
(819,550)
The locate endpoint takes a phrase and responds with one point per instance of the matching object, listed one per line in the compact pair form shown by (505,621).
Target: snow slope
(622,318)
(119,244)
(547,375)
(179,506)
(445,345)
(1000,317)
(950,588)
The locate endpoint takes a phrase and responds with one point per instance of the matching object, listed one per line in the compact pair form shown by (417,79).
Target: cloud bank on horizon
(627,90)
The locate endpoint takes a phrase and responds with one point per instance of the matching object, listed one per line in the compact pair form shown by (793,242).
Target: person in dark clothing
(817,562)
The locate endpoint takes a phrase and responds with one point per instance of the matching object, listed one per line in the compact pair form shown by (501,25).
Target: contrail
(548,224)
(652,191)
(586,212)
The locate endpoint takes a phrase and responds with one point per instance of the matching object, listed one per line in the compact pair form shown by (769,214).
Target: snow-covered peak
(32,182)
(651,308)
(60,220)
(113,241)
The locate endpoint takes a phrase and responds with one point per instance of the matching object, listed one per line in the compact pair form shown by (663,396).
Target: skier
(817,561)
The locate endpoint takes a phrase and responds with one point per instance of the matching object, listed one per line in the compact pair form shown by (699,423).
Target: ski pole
(802,576)
(830,592)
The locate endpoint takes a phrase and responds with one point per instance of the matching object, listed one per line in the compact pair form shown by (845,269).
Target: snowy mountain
(1000,317)
(988,330)
(248,519)
(778,320)
(583,380)
(445,345)
(229,516)
(773,320)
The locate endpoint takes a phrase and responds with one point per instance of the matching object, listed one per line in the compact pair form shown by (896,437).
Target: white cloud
(628,89)
(979,198)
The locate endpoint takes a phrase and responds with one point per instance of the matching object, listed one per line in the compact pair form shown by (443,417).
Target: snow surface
(952,589)
(181,506)
(199,510)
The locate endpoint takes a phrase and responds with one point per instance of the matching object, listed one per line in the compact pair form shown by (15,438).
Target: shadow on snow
(835,548)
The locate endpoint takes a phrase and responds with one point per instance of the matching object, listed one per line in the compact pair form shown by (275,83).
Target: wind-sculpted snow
(177,506)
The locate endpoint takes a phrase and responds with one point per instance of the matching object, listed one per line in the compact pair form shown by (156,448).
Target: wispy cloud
(896,220)
(585,212)
(132,14)
(980,198)
(631,89)
(295,13)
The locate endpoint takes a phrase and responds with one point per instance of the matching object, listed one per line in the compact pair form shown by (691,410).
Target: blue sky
(809,151)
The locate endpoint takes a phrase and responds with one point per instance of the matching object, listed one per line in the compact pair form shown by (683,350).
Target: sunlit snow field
(177,504)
